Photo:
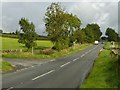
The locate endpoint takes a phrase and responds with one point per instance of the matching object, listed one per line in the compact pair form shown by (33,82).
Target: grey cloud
(105,14)
(14,11)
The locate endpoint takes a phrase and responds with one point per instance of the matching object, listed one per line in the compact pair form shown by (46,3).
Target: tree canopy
(27,33)
(92,32)
(61,26)
(112,35)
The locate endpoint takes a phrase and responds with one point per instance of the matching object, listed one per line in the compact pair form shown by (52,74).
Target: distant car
(102,42)
(96,42)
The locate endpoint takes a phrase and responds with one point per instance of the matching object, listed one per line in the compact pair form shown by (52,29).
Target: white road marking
(43,75)
(39,65)
(10,88)
(32,66)
(52,60)
(86,52)
(83,55)
(89,51)
(75,59)
(65,64)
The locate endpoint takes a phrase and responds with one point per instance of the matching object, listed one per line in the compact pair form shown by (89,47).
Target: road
(67,72)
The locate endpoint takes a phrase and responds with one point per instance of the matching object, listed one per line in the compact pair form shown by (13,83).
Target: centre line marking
(10,88)
(83,55)
(52,60)
(43,75)
(86,52)
(89,50)
(75,59)
(64,64)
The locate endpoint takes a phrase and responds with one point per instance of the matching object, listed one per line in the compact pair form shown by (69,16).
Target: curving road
(67,72)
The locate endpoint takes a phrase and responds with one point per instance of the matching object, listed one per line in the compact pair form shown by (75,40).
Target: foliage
(107,46)
(92,32)
(104,38)
(112,35)
(80,36)
(27,33)
(60,26)
(47,53)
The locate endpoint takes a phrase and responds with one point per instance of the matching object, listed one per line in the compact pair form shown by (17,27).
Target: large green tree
(92,32)
(27,34)
(112,35)
(60,26)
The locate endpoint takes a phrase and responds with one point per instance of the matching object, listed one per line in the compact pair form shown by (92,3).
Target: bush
(47,51)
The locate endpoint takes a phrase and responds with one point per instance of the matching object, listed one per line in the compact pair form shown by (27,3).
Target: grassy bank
(5,66)
(55,54)
(104,73)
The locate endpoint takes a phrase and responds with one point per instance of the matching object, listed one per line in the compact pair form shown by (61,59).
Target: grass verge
(5,66)
(56,54)
(104,73)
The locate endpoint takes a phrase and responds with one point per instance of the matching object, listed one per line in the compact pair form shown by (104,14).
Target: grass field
(11,43)
(104,73)
(56,54)
(5,66)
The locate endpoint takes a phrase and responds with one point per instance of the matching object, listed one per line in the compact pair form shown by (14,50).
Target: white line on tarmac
(75,59)
(86,52)
(65,64)
(52,60)
(10,88)
(43,74)
(83,55)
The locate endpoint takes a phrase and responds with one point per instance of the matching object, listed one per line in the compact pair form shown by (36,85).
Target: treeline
(14,35)
(64,30)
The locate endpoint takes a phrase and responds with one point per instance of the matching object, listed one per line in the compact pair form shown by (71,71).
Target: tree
(1,31)
(60,26)
(81,36)
(104,38)
(16,32)
(112,35)
(27,33)
(92,32)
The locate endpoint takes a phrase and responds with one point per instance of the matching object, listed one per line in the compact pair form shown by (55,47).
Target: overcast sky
(103,13)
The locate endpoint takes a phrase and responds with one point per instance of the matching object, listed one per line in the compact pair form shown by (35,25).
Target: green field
(11,43)
(104,73)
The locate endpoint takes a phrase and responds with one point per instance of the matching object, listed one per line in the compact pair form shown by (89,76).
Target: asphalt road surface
(67,72)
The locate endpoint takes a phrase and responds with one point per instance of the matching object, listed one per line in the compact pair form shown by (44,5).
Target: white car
(96,42)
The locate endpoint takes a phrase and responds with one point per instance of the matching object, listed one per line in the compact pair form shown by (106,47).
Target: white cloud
(103,13)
